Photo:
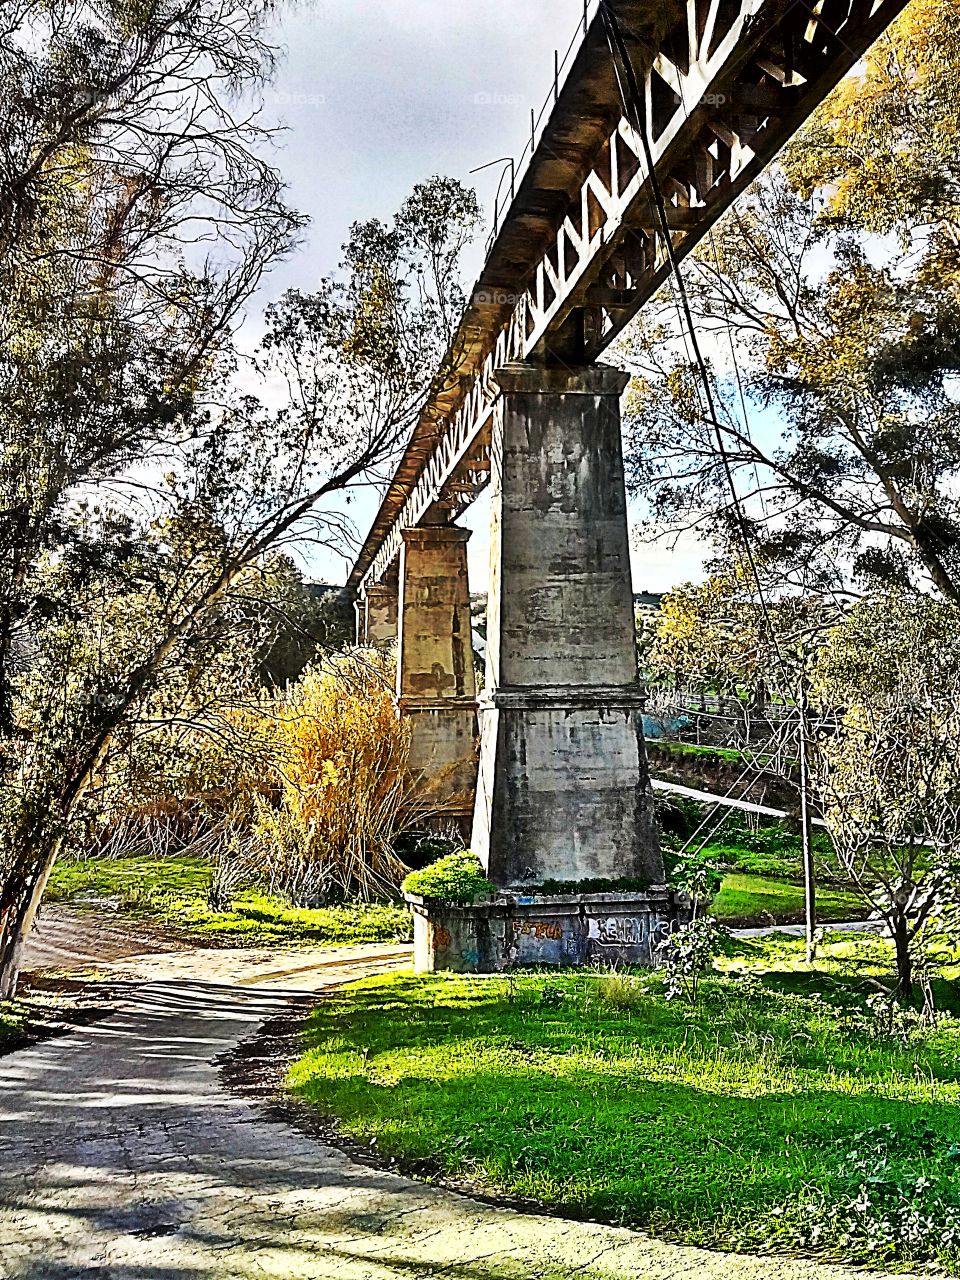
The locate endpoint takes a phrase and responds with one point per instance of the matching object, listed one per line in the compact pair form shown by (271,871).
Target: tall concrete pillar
(380,606)
(564,793)
(436,683)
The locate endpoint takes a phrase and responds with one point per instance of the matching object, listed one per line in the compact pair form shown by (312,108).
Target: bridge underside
(563,790)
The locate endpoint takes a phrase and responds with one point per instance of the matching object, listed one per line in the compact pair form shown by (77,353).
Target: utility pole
(806,824)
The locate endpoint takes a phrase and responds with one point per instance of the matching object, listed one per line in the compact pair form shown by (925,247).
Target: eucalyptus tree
(828,302)
(146,491)
(137,214)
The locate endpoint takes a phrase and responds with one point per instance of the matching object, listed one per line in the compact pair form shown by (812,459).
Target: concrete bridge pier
(563,792)
(377,615)
(436,682)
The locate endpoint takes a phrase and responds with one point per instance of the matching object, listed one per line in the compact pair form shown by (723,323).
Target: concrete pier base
(564,781)
(562,931)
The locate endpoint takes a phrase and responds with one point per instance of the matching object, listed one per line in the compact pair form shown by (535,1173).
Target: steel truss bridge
(579,247)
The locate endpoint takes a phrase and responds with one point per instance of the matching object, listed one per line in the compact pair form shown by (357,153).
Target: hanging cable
(753,771)
(738,377)
(635,110)
(635,107)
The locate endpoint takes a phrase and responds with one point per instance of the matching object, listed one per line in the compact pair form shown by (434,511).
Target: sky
(377,95)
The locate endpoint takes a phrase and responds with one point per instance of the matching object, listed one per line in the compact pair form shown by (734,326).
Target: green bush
(679,817)
(457,879)
(680,867)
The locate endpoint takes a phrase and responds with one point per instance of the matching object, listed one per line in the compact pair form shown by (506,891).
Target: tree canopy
(152,471)
(830,315)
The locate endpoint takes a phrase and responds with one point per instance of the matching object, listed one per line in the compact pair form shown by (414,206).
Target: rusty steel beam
(580,251)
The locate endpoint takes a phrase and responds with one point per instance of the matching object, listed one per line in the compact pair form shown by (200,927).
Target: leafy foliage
(456,879)
(834,358)
(686,955)
(889,772)
(144,608)
(884,1210)
(302,792)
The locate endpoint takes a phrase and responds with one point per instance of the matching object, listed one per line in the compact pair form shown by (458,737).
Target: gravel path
(123,1158)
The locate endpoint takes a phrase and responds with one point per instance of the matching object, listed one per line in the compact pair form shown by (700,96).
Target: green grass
(692,749)
(173,892)
(130,879)
(751,898)
(764,880)
(258,918)
(718,1125)
(13,1025)
(782,863)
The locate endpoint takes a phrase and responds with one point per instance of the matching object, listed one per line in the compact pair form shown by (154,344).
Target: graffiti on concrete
(538,929)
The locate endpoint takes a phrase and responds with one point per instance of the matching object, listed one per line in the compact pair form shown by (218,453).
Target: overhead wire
(735,361)
(752,772)
(634,107)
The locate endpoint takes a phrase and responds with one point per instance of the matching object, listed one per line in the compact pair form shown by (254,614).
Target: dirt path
(122,1157)
(69,939)
(66,938)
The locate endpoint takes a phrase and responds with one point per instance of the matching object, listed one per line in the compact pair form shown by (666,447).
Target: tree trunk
(901,942)
(21,897)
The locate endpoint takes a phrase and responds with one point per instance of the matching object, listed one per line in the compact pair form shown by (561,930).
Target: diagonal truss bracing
(580,250)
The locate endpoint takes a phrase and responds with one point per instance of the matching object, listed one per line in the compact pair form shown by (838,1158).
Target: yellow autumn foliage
(339,766)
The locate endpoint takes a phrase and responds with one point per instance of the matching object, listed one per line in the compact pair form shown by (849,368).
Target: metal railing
(516,168)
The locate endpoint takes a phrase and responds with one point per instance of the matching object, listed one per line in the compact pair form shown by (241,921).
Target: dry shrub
(340,765)
(303,792)
(620,991)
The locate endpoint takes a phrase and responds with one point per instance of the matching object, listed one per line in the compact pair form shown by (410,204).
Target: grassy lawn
(771,1115)
(691,749)
(173,892)
(764,880)
(748,898)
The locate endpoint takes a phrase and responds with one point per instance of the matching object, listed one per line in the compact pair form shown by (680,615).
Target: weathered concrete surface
(564,791)
(121,1158)
(561,608)
(559,930)
(380,613)
(436,682)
